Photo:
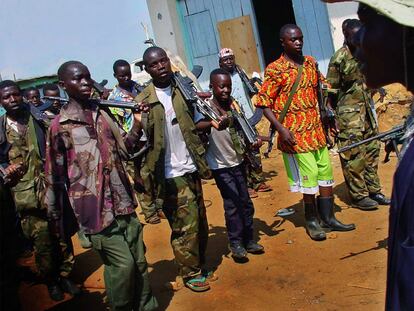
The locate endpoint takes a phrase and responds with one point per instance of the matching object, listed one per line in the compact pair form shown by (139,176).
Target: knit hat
(224,52)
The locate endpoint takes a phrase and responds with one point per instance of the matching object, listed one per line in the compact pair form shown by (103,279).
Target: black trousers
(238,207)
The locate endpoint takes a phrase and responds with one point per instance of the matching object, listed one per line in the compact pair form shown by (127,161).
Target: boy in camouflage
(22,150)
(175,164)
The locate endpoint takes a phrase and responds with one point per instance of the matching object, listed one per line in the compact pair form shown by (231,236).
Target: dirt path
(345,272)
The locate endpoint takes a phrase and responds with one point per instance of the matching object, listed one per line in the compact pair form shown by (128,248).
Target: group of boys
(77,177)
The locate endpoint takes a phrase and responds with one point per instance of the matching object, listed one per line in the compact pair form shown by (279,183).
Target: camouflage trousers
(254,176)
(360,166)
(186,214)
(53,256)
(144,189)
(36,229)
(122,251)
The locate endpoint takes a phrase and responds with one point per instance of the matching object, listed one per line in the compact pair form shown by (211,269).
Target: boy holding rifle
(225,154)
(84,157)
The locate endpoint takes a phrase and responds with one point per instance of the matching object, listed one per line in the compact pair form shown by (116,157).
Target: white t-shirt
(178,160)
(238,92)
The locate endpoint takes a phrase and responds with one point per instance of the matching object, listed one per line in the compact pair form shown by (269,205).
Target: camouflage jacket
(83,159)
(28,149)
(350,94)
(154,129)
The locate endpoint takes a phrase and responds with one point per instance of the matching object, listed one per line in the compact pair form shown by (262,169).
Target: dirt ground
(345,272)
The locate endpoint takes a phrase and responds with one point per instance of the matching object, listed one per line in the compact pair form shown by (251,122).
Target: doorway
(270,18)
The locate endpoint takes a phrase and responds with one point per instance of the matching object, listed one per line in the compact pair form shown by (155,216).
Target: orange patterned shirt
(302,118)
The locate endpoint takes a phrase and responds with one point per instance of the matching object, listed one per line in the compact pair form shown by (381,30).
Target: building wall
(166,26)
(337,13)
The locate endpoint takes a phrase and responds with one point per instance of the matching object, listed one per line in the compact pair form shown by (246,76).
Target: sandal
(263,187)
(210,276)
(198,284)
(153,220)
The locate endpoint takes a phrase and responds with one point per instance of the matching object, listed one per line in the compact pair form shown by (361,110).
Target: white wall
(166,26)
(337,13)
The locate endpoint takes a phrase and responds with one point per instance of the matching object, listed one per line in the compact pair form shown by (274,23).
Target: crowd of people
(71,165)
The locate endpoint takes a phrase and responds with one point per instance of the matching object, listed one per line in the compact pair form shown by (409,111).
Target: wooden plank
(237,34)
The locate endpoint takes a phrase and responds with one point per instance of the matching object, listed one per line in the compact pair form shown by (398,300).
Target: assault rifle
(134,106)
(249,83)
(3,175)
(327,116)
(272,134)
(189,92)
(248,134)
(392,135)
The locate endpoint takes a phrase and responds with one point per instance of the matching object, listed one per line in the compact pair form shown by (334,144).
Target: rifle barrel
(380,136)
(62,99)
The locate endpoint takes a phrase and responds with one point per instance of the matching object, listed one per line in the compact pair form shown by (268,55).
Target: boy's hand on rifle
(257,144)
(14,172)
(142,107)
(222,124)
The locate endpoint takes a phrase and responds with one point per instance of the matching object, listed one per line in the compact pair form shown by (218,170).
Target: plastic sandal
(198,284)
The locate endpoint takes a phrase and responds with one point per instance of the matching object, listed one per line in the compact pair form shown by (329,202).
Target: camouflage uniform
(356,121)
(180,197)
(24,149)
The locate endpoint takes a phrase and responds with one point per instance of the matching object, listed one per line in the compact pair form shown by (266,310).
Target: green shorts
(308,171)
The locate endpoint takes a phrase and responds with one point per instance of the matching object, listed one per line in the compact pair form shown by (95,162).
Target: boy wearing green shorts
(289,93)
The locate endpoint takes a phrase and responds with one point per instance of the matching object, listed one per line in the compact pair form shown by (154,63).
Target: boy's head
(52,90)
(220,84)
(158,65)
(11,97)
(75,79)
(122,73)
(291,38)
(32,95)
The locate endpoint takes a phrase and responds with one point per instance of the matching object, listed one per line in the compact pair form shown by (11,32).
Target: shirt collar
(73,111)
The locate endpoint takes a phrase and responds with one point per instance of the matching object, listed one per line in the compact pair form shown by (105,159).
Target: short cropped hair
(8,83)
(119,63)
(150,50)
(287,27)
(64,67)
(50,87)
(218,71)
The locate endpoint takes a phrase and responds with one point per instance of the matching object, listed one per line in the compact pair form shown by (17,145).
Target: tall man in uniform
(175,162)
(301,135)
(356,121)
(227,61)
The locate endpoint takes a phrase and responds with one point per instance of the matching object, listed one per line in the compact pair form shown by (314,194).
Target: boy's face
(221,87)
(123,75)
(77,82)
(292,41)
(53,93)
(158,65)
(33,97)
(11,99)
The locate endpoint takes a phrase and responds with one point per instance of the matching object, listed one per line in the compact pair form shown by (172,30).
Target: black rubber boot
(326,214)
(312,225)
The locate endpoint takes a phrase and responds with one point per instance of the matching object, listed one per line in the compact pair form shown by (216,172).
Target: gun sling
(292,92)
